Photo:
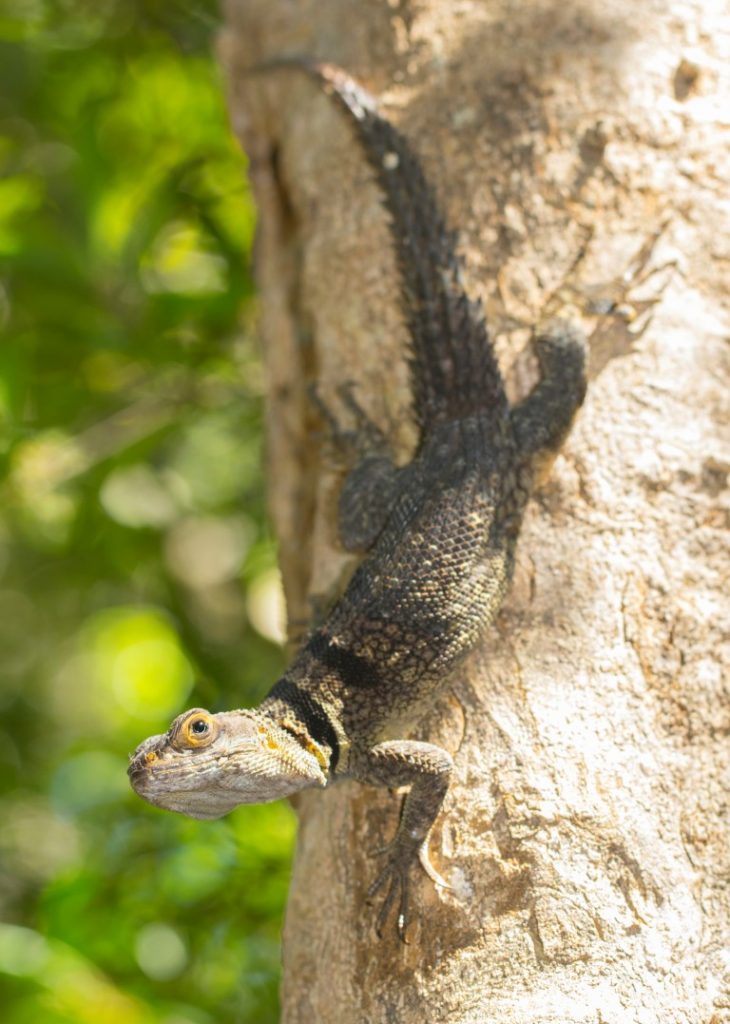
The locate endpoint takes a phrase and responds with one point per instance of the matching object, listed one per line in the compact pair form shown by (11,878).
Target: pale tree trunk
(581,149)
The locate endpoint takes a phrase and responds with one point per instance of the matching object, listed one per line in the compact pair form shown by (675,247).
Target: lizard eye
(198,730)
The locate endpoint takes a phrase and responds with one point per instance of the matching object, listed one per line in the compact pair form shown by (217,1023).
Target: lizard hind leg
(541,421)
(366,499)
(373,482)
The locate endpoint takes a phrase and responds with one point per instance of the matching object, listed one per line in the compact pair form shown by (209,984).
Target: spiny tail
(453,366)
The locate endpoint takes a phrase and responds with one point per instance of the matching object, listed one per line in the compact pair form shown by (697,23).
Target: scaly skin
(440,537)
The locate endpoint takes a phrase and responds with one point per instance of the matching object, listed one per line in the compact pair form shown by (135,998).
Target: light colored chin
(201,806)
(200,814)
(215,802)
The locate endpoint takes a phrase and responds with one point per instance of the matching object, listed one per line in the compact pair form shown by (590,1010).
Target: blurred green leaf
(132,525)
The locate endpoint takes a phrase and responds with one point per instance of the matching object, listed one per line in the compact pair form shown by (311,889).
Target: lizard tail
(453,366)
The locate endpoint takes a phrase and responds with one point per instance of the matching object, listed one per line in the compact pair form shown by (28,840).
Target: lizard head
(205,765)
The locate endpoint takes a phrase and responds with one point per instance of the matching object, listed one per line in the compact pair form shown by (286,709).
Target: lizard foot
(348,444)
(372,482)
(396,877)
(342,444)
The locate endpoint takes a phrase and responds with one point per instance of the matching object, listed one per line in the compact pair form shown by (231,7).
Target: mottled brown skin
(440,538)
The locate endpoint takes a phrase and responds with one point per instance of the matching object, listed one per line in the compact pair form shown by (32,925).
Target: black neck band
(311,714)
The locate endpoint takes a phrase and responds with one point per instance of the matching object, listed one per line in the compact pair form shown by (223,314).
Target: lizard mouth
(187,790)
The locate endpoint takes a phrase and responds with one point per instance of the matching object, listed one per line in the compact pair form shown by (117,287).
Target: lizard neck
(309,719)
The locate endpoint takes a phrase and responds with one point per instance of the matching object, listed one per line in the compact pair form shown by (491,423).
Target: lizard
(438,538)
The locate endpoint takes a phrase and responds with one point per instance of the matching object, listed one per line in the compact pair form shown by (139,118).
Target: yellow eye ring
(198,730)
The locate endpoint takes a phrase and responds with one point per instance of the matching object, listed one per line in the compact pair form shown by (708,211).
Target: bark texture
(581,149)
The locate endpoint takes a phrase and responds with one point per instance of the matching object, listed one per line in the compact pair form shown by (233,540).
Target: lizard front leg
(426,768)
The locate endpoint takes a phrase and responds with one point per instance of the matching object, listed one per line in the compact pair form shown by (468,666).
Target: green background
(137,572)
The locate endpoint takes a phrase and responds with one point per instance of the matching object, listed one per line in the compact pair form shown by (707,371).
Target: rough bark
(579,149)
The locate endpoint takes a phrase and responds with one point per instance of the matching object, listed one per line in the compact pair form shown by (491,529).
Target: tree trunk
(575,146)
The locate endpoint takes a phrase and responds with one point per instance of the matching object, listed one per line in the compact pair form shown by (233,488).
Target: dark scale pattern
(438,570)
(453,365)
(440,536)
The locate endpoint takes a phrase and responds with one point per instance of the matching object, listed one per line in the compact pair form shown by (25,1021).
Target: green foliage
(137,572)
